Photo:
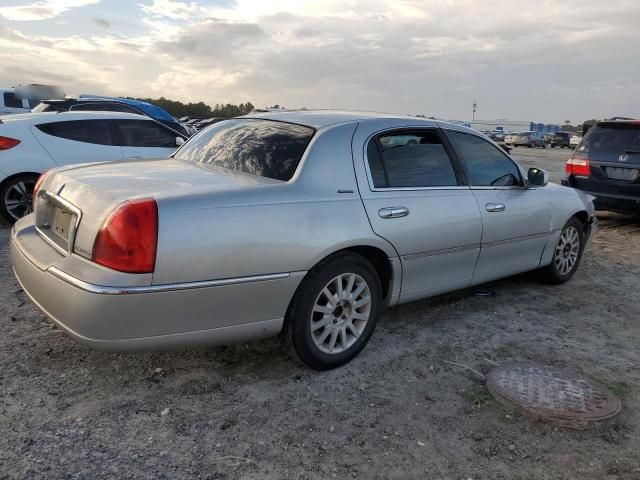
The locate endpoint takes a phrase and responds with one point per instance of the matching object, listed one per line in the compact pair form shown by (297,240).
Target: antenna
(475,105)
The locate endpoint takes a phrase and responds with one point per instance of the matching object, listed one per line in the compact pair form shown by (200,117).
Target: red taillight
(38,184)
(7,142)
(578,166)
(128,238)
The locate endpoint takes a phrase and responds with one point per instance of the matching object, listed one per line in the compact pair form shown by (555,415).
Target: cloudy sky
(519,59)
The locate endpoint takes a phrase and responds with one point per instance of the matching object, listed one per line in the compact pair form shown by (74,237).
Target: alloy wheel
(18,198)
(567,250)
(340,313)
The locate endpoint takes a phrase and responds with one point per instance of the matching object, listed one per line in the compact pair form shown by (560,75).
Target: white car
(575,140)
(33,143)
(10,103)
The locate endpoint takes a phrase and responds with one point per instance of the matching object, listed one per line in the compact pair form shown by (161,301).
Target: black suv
(606,165)
(560,139)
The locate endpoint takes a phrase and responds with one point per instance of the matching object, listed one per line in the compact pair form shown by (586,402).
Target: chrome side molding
(168,287)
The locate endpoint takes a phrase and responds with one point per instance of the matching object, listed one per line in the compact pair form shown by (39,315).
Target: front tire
(334,312)
(15,197)
(567,253)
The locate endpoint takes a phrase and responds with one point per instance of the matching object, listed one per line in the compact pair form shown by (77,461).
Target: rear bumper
(612,202)
(156,317)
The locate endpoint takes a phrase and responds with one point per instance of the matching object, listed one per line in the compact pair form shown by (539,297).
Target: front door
(145,139)
(516,220)
(414,198)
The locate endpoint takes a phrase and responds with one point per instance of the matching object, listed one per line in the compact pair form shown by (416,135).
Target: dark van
(560,139)
(606,164)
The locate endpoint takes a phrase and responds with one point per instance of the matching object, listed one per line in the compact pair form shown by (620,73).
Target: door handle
(393,212)
(495,207)
(134,158)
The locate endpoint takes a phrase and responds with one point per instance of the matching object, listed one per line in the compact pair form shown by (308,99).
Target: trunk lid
(74,201)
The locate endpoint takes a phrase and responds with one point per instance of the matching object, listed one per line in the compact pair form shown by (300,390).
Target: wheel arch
(386,266)
(14,175)
(583,216)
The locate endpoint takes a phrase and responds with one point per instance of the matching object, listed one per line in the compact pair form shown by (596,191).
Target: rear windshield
(561,134)
(261,147)
(612,138)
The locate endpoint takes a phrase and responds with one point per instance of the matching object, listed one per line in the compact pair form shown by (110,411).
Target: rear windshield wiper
(632,151)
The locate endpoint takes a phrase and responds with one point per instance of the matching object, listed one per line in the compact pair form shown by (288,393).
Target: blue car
(112,104)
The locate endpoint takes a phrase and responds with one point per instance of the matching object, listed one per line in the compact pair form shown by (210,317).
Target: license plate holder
(56,221)
(62,222)
(621,173)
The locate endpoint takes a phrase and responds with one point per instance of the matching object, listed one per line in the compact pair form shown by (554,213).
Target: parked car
(574,141)
(303,224)
(560,139)
(606,165)
(32,143)
(498,138)
(11,103)
(94,103)
(528,139)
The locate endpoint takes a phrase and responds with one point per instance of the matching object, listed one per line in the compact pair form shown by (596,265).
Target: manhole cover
(552,394)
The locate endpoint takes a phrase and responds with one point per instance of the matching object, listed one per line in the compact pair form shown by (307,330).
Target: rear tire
(15,196)
(334,312)
(567,253)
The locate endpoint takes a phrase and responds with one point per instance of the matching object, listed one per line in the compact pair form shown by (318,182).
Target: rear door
(613,152)
(415,198)
(78,141)
(516,220)
(145,139)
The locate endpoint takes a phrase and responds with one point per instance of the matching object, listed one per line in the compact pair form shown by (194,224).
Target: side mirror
(536,177)
(179,141)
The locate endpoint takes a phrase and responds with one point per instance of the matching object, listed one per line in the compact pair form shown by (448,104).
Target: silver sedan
(303,224)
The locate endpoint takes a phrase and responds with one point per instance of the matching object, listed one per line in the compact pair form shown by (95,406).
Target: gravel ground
(397,411)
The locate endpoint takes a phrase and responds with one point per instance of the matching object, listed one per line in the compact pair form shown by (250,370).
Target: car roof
(324,118)
(46,117)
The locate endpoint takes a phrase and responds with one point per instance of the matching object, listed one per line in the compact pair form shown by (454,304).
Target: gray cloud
(101,22)
(572,59)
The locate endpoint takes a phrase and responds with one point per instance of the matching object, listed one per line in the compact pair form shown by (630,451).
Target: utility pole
(475,105)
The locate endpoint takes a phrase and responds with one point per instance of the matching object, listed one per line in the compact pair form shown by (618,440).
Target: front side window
(406,160)
(487,165)
(88,131)
(260,147)
(144,133)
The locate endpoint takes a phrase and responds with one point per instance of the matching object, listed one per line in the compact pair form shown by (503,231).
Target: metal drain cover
(552,394)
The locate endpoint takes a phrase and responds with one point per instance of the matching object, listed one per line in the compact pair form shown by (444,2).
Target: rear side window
(612,138)
(413,159)
(144,133)
(11,101)
(486,164)
(261,147)
(88,131)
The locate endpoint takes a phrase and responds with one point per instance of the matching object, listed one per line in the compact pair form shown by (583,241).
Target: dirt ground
(397,411)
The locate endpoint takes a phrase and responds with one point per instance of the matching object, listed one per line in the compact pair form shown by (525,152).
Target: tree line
(200,109)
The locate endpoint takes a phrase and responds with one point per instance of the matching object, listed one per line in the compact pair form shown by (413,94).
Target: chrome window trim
(400,189)
(168,287)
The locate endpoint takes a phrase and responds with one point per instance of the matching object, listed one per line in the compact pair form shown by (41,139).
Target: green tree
(200,109)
